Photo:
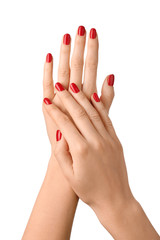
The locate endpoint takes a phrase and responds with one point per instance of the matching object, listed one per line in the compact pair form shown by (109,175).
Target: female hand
(91,157)
(59,199)
(67,75)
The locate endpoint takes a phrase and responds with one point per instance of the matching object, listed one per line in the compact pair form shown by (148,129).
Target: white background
(129,47)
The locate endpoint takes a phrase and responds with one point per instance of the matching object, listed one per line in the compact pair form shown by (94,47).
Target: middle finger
(78,57)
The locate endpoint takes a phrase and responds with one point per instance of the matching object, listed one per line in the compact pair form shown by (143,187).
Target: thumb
(63,156)
(107,91)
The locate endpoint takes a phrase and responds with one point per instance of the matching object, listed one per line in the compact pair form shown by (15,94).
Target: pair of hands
(87,158)
(86,146)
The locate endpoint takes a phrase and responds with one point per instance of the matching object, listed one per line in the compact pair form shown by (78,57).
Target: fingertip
(107,92)
(95,97)
(58,135)
(49,57)
(110,80)
(81,31)
(47,101)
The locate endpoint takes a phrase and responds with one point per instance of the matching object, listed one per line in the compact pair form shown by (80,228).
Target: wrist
(128,221)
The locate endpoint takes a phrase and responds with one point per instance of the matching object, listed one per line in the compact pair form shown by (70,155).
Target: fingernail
(93,33)
(66,39)
(49,57)
(81,31)
(74,88)
(59,87)
(58,135)
(47,101)
(110,79)
(96,98)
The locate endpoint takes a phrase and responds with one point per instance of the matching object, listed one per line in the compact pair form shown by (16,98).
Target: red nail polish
(47,101)
(81,31)
(93,33)
(66,39)
(49,57)
(58,135)
(96,98)
(110,79)
(74,88)
(59,87)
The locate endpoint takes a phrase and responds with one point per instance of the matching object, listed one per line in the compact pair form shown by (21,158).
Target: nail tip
(49,57)
(58,135)
(81,30)
(66,39)
(93,33)
(110,79)
(47,101)
(74,88)
(59,86)
(96,98)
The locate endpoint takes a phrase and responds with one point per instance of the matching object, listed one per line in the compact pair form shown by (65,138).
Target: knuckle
(63,72)
(80,112)
(82,148)
(64,119)
(109,123)
(98,145)
(91,64)
(48,83)
(94,116)
(76,63)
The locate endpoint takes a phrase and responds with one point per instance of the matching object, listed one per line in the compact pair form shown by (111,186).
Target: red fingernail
(59,87)
(93,33)
(74,88)
(81,31)
(49,57)
(96,98)
(110,79)
(66,39)
(47,101)
(58,135)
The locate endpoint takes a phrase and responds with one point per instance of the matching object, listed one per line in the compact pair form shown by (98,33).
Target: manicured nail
(74,88)
(47,101)
(49,57)
(59,87)
(66,39)
(110,79)
(81,31)
(96,98)
(93,33)
(58,135)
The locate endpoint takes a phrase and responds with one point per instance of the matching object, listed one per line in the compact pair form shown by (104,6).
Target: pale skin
(53,212)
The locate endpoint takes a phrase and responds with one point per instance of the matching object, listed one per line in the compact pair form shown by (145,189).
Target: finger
(48,89)
(91,63)
(63,156)
(88,107)
(99,106)
(63,122)
(107,91)
(77,113)
(64,68)
(77,57)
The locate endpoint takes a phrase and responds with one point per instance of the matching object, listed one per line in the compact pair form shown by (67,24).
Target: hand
(91,157)
(74,75)
(60,200)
